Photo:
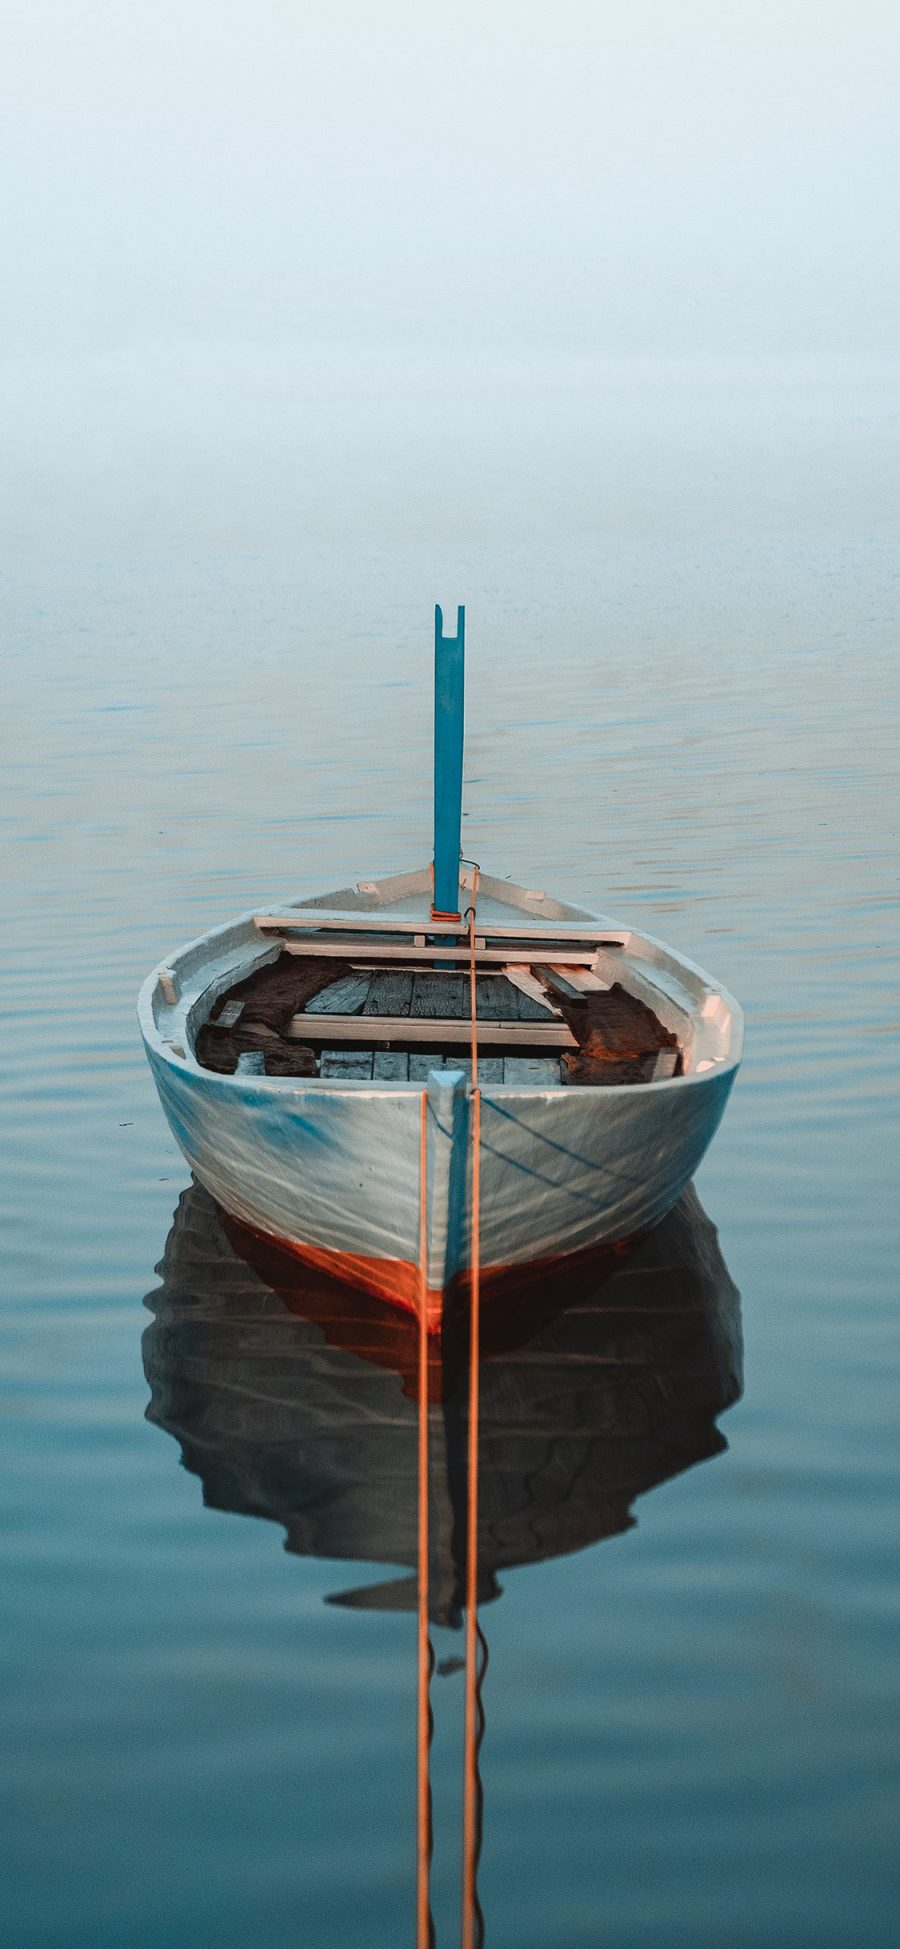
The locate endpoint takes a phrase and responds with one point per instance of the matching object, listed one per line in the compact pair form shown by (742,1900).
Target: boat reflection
(294,1399)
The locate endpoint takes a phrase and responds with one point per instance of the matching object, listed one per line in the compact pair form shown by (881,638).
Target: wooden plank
(386,1028)
(420,1067)
(442,995)
(583,980)
(371,954)
(665,1065)
(342,998)
(500,999)
(360,924)
(519,973)
(541,1071)
(347,1065)
(228,1016)
(390,1066)
(496,1000)
(250,1062)
(531,1010)
(490,1068)
(566,932)
(558,983)
(390,993)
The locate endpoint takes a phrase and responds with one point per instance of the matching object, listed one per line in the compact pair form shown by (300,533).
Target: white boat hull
(333,1168)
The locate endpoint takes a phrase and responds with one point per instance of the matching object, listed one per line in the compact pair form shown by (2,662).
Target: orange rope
(424,1930)
(471,1792)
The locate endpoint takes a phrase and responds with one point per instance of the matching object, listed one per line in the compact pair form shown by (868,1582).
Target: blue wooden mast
(449,690)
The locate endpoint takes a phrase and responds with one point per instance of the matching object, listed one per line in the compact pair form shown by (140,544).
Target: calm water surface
(683,702)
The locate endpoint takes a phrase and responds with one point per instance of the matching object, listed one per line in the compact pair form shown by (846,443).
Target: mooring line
(424,1923)
(477,1924)
(472,1927)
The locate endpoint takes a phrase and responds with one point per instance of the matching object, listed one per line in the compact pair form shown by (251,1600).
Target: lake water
(681,594)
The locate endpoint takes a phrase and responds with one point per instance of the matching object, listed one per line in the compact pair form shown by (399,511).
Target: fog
(651,177)
(222,221)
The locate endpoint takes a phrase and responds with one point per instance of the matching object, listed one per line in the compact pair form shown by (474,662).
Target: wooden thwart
(368,954)
(527,1036)
(566,932)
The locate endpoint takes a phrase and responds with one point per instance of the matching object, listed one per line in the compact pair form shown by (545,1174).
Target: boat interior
(386,997)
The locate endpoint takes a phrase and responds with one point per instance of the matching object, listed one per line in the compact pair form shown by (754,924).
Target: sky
(694,179)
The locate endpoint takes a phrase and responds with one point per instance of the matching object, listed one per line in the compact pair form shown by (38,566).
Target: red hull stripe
(398,1280)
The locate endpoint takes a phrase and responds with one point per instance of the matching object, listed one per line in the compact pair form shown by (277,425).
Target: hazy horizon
(685,181)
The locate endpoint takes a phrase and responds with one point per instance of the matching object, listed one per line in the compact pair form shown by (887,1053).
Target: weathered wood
(542,1071)
(434,1029)
(531,1010)
(369,955)
(390,1066)
(390,993)
(251,1062)
(499,999)
(345,997)
(520,974)
(442,995)
(275,991)
(361,924)
(533,1004)
(558,982)
(617,1037)
(496,1000)
(490,1068)
(566,932)
(420,1067)
(346,1065)
(583,980)
(229,1015)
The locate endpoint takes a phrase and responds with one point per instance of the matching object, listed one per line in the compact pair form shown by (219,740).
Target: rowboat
(282,1392)
(325,1066)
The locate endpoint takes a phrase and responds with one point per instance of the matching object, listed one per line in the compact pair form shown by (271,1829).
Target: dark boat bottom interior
(614,1038)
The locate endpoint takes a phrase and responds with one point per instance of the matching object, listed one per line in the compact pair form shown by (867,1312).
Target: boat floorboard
(403,1066)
